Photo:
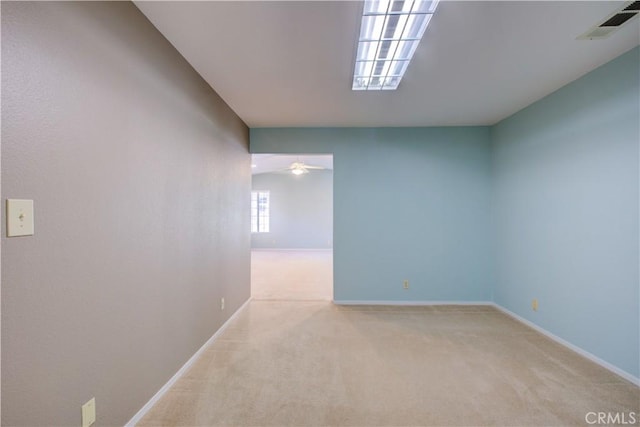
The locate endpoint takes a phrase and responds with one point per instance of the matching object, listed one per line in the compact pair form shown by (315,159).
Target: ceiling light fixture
(389,35)
(297,170)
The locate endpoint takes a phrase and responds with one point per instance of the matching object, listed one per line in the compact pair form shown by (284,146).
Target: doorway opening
(292,227)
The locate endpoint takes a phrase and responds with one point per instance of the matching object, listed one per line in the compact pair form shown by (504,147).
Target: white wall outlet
(19,217)
(221,303)
(534,304)
(89,413)
(405,284)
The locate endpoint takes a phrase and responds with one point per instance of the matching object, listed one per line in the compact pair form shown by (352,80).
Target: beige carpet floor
(292,275)
(302,363)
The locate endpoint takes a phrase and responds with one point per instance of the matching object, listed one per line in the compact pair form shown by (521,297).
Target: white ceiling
(280,162)
(290,63)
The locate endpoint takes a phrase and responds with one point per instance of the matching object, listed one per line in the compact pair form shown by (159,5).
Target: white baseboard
(624,374)
(409,303)
(142,412)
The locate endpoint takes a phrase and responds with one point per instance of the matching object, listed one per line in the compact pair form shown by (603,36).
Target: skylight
(389,35)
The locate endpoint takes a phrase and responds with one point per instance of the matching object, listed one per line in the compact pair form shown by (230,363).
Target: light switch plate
(19,217)
(89,413)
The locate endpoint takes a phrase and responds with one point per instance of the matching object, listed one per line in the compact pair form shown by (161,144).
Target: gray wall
(409,203)
(138,171)
(301,210)
(566,209)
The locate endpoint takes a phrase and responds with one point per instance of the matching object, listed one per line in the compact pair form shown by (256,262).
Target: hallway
(291,274)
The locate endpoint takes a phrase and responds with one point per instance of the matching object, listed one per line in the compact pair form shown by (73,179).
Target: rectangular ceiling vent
(618,19)
(612,23)
(635,7)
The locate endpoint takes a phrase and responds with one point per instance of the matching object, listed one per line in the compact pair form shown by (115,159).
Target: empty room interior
(327,213)
(291,227)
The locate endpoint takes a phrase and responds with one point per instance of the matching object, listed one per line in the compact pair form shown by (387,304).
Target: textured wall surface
(566,212)
(409,203)
(140,174)
(301,210)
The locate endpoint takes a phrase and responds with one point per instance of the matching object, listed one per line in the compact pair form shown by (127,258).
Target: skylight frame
(381,19)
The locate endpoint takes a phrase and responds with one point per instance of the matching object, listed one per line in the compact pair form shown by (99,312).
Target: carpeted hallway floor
(292,274)
(296,363)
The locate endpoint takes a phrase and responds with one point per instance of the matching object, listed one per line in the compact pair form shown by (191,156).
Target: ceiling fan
(299,168)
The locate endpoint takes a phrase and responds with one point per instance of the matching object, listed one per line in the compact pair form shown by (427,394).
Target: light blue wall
(566,210)
(301,210)
(409,203)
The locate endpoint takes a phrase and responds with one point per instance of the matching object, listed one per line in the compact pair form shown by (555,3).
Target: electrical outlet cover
(89,413)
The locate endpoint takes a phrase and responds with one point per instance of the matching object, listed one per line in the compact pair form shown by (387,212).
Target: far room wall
(301,210)
(409,204)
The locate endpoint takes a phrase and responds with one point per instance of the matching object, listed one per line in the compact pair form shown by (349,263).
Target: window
(259,211)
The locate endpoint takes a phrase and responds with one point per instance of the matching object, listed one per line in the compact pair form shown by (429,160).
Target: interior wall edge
(620,372)
(165,388)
